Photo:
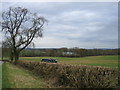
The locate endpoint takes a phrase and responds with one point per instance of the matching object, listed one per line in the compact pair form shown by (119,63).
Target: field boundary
(82,76)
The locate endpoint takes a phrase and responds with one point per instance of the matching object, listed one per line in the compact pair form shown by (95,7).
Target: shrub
(74,75)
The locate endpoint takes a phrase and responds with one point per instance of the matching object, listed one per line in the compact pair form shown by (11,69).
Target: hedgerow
(74,75)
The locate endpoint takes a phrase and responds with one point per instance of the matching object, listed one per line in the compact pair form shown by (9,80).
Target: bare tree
(20,27)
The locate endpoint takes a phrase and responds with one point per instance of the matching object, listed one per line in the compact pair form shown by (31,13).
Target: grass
(5,74)
(0,75)
(17,77)
(105,61)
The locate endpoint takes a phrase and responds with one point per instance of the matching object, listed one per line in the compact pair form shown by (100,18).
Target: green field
(105,61)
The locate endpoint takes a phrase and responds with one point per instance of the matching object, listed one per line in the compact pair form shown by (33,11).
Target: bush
(74,75)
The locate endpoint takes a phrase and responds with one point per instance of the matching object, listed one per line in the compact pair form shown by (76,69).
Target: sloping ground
(17,77)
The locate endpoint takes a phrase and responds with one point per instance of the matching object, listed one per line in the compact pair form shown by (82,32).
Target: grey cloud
(88,25)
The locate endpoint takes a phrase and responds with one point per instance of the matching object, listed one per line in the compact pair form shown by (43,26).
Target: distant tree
(20,27)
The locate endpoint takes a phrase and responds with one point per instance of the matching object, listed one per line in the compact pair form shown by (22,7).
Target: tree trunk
(12,56)
(16,56)
(12,59)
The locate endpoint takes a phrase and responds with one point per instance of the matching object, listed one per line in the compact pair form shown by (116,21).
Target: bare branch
(21,26)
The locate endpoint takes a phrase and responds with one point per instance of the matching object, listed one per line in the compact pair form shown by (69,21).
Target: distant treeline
(65,52)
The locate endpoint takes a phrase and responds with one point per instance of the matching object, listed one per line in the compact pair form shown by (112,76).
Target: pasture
(105,61)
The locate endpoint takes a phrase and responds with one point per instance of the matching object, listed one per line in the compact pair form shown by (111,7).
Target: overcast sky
(75,24)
